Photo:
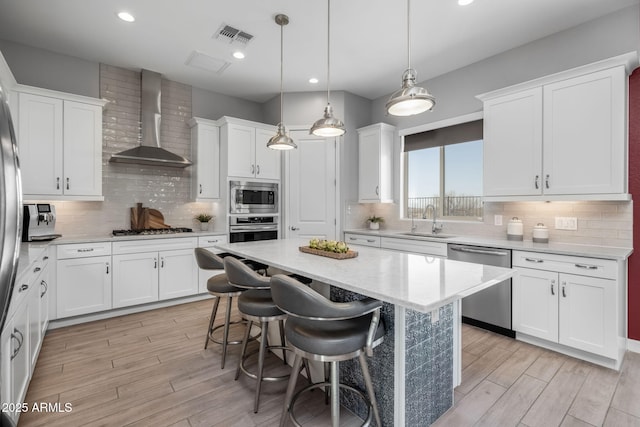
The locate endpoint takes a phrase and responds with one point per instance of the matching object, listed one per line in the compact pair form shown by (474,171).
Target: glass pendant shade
(281,141)
(410,99)
(328,126)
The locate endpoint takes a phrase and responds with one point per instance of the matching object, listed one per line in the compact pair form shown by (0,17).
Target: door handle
(537,182)
(294,228)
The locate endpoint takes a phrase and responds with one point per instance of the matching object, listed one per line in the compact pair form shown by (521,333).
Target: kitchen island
(415,369)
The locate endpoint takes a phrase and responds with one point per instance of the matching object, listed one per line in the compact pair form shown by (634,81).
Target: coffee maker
(39,222)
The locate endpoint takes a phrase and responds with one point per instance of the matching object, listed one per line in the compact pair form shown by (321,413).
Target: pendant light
(328,126)
(410,99)
(281,141)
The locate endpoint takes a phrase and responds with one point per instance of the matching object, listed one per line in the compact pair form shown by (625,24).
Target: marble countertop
(603,252)
(418,282)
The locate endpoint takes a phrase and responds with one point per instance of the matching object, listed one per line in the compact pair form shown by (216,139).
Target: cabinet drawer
(415,246)
(153,245)
(359,239)
(83,250)
(593,267)
(208,241)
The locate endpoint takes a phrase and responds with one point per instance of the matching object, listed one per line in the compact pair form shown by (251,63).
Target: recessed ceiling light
(238,55)
(126,16)
(464,2)
(313,80)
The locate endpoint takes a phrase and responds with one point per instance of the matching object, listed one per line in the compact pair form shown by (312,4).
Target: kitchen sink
(430,235)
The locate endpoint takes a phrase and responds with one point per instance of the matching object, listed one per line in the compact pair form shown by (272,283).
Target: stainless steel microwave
(253,197)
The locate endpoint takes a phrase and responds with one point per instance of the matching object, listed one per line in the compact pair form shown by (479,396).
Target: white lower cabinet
(151,270)
(362,240)
(426,247)
(83,279)
(572,301)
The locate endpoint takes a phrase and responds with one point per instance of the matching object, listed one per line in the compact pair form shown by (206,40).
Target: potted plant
(374,222)
(204,219)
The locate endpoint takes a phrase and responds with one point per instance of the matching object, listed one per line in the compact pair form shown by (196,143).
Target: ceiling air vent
(229,34)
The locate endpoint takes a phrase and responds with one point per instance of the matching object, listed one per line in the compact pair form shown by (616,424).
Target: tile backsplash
(124,185)
(599,223)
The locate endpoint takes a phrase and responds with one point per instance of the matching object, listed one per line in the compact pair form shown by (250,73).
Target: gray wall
(212,105)
(42,68)
(455,92)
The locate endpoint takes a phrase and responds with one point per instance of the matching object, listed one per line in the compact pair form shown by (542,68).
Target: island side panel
(381,366)
(428,366)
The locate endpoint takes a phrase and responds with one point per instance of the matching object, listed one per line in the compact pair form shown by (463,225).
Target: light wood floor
(150,369)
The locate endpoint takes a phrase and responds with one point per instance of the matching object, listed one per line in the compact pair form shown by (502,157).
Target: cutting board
(143,218)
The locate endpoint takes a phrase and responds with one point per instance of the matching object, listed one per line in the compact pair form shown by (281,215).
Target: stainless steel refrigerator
(10,216)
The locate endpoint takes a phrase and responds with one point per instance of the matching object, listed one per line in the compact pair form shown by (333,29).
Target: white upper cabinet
(375,163)
(244,148)
(205,144)
(562,137)
(60,146)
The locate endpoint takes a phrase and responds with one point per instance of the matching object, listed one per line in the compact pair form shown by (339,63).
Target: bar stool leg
(282,341)
(263,344)
(245,341)
(225,338)
(335,395)
(325,366)
(369,386)
(293,379)
(213,316)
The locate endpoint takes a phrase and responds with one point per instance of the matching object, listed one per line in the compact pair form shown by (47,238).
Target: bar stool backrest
(242,276)
(207,260)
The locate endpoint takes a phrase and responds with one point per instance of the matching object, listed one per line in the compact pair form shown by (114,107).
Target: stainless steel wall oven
(252,228)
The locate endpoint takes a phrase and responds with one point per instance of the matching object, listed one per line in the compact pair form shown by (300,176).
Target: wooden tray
(334,255)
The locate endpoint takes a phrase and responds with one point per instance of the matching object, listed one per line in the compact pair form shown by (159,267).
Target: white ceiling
(369,47)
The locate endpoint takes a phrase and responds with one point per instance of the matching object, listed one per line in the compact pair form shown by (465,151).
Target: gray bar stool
(219,287)
(256,305)
(326,331)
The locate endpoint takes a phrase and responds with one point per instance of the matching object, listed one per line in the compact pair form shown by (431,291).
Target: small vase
(204,226)
(374,225)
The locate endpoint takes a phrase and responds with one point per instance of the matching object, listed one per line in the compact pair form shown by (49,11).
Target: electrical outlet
(497,220)
(566,223)
(435,315)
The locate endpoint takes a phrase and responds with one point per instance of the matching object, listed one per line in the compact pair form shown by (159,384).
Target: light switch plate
(566,223)
(497,220)
(435,315)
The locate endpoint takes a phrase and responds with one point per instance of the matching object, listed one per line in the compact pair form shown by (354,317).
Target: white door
(535,303)
(82,149)
(135,279)
(311,187)
(587,314)
(241,144)
(83,285)
(178,274)
(267,160)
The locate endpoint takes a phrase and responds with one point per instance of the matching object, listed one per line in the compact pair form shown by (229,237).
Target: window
(443,169)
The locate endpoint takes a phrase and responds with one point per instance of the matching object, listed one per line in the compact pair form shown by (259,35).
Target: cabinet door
(207,163)
(241,150)
(40,144)
(512,145)
(20,356)
(267,160)
(588,314)
(82,149)
(35,332)
(584,134)
(204,275)
(135,279)
(369,166)
(83,285)
(178,274)
(535,303)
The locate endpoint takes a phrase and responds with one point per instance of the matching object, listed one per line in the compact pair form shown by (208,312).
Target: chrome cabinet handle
(85,250)
(564,289)
(23,288)
(162,262)
(67,183)
(553,291)
(253,169)
(536,260)
(44,258)
(377,190)
(588,267)
(546,181)
(537,182)
(370,240)
(294,228)
(155,263)
(213,241)
(35,270)
(352,238)
(200,188)
(46,288)
(258,170)
(20,342)
(57,183)
(107,264)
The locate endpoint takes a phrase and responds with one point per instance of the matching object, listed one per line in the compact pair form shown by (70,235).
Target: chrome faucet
(435,228)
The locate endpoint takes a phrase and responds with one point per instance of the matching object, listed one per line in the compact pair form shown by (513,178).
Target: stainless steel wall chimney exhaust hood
(149,152)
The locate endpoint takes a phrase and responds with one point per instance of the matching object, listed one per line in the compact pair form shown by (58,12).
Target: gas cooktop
(151,231)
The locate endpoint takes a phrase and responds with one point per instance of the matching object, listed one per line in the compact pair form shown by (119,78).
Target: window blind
(455,134)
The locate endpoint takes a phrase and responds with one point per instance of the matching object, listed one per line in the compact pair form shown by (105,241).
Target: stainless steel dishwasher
(491,308)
